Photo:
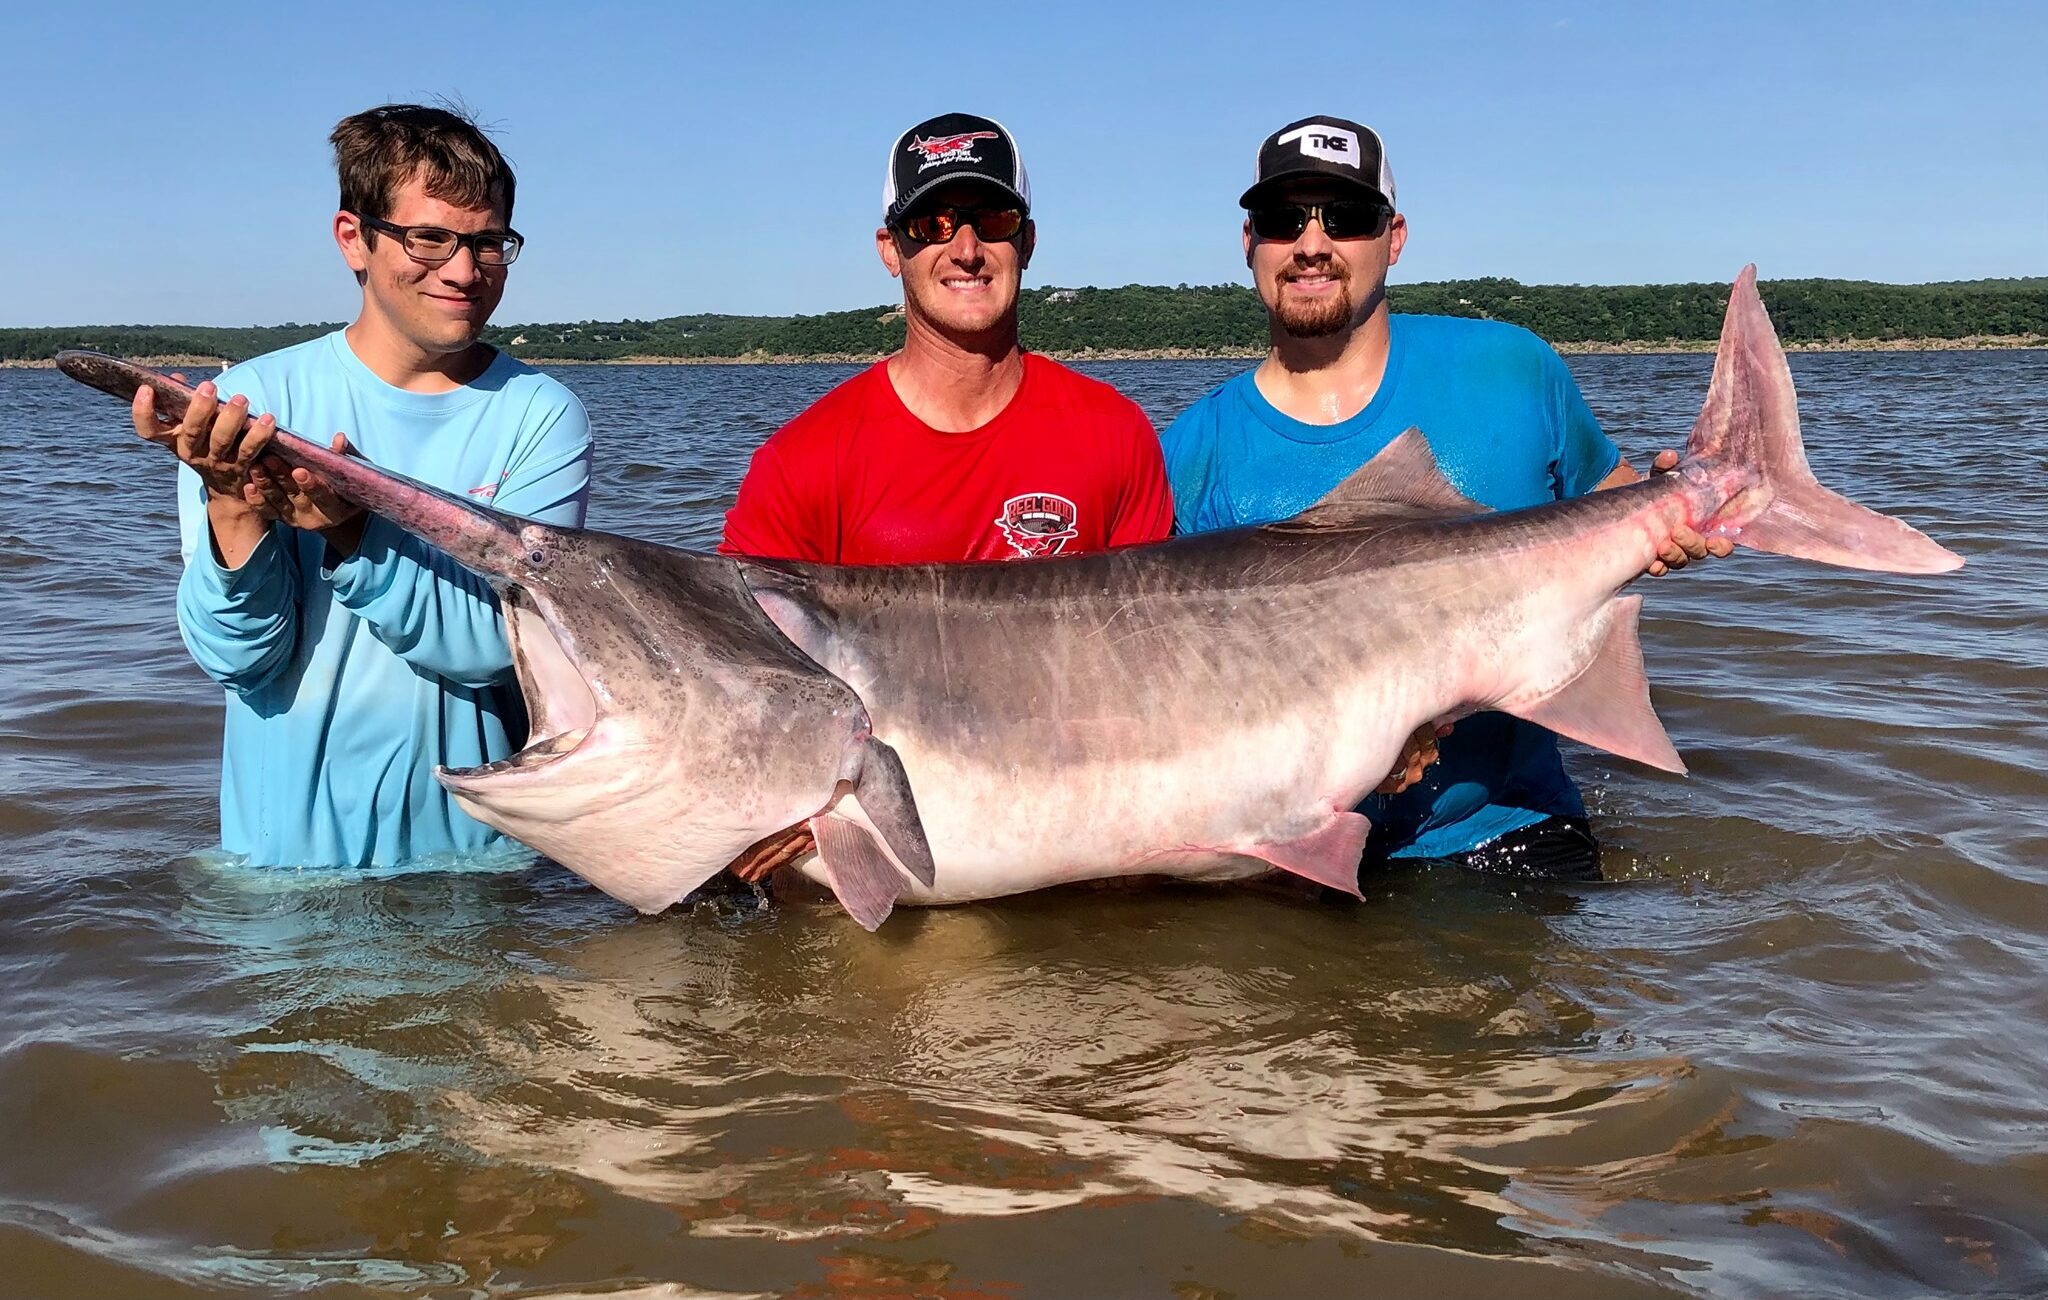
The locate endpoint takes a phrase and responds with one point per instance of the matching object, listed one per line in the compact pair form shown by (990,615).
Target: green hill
(1200,318)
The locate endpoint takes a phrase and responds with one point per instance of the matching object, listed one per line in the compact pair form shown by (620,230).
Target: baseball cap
(951,147)
(1321,148)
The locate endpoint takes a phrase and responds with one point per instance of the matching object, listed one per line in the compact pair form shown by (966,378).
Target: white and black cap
(1321,148)
(951,147)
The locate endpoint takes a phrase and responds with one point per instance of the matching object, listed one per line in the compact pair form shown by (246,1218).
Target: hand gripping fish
(1208,707)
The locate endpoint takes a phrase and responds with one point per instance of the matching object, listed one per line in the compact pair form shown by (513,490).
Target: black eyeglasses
(939,225)
(1344,219)
(434,244)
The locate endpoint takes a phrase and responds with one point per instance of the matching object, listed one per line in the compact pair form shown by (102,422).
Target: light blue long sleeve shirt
(347,684)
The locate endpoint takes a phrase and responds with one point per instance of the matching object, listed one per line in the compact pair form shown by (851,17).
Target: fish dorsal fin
(1402,482)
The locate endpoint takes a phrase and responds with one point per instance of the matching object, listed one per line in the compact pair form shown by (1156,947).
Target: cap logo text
(1330,143)
(948,148)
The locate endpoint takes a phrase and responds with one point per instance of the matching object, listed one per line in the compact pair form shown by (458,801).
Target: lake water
(1798,1047)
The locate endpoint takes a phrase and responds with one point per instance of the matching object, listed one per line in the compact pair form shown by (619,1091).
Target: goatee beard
(1313,318)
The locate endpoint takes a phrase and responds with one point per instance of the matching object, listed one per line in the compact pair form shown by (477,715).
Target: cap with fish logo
(951,147)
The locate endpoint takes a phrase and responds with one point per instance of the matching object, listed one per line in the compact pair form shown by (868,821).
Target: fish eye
(537,546)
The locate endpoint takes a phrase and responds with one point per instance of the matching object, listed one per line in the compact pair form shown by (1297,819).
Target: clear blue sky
(167,163)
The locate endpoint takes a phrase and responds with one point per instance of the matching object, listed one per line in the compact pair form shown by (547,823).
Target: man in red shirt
(962,446)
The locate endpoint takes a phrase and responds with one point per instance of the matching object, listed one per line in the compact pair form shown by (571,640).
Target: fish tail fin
(1750,424)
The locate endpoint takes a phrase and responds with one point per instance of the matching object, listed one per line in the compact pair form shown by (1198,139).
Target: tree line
(1197,318)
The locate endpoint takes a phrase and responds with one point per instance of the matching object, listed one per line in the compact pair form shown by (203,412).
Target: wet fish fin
(1328,855)
(862,876)
(1608,705)
(883,788)
(1751,418)
(1808,522)
(1403,481)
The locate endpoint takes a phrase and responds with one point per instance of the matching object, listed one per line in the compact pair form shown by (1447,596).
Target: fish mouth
(561,701)
(534,755)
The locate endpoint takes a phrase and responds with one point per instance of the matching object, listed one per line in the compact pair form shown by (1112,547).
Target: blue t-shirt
(1510,429)
(346,685)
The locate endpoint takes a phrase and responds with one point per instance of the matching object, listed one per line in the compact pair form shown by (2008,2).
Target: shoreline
(1668,347)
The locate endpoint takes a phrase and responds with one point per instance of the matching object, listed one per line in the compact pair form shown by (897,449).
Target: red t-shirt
(1069,465)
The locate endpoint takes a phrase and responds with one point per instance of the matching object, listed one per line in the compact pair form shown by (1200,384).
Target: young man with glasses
(1342,378)
(962,446)
(356,657)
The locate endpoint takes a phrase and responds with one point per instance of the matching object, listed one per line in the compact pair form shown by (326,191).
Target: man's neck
(402,364)
(956,384)
(1326,380)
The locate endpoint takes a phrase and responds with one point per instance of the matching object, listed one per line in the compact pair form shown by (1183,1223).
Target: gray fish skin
(1209,707)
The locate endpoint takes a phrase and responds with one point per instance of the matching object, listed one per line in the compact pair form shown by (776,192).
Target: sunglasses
(939,225)
(1346,219)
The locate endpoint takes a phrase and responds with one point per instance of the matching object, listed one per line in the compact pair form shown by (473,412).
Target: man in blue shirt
(1342,379)
(356,657)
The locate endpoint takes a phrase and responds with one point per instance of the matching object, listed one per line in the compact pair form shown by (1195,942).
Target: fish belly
(1195,812)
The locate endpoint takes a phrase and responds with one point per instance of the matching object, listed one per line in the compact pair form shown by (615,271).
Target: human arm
(237,602)
(431,611)
(780,849)
(241,624)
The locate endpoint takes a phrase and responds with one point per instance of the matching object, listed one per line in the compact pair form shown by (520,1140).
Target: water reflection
(772,1078)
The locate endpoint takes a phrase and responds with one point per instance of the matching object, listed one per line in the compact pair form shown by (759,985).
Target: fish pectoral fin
(1329,855)
(859,869)
(883,788)
(1608,705)
(801,622)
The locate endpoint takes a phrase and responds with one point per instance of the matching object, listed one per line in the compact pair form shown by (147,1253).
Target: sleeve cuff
(260,569)
(364,575)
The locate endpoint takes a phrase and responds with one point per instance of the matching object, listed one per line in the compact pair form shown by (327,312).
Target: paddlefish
(1209,707)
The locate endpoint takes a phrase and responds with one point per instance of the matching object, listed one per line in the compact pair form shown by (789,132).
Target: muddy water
(1795,1048)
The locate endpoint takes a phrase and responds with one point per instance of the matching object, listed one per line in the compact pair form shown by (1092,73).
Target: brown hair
(378,150)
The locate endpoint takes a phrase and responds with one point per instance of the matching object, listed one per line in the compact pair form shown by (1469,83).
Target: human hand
(1685,545)
(1417,753)
(777,850)
(303,499)
(215,438)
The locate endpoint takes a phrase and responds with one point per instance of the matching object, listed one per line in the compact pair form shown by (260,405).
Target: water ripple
(1793,1049)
